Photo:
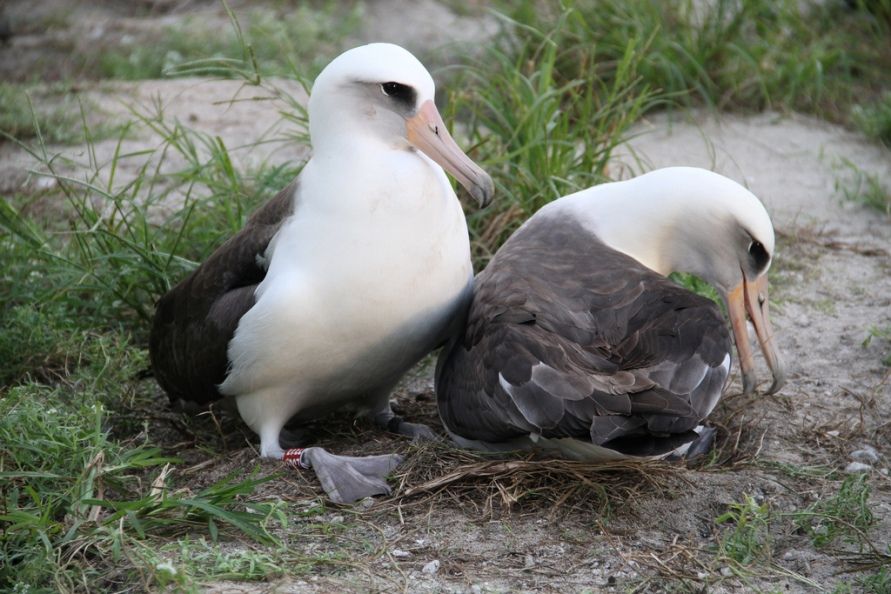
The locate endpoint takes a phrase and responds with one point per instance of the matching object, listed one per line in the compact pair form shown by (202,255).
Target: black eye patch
(400,93)
(758,256)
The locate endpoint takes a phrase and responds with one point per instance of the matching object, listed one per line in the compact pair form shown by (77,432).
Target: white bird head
(382,91)
(685,219)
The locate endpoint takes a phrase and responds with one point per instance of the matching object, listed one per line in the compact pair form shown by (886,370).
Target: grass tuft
(37,344)
(862,187)
(882,335)
(53,113)
(123,245)
(540,130)
(695,284)
(748,540)
(280,42)
(877,583)
(75,503)
(847,513)
(874,119)
(814,57)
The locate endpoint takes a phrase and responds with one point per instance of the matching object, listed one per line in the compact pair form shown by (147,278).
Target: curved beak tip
(483,191)
(427,133)
(749,300)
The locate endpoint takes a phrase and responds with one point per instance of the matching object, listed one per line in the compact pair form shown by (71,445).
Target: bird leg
(269,444)
(346,478)
(385,418)
(293,438)
(349,478)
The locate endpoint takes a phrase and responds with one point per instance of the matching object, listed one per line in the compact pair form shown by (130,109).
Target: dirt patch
(237,115)
(61,40)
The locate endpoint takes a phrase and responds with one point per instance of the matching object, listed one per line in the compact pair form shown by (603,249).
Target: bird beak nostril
(425,134)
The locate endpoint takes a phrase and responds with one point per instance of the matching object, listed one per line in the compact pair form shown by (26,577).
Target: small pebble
(867,455)
(855,467)
(45,182)
(401,553)
(366,503)
(431,567)
(726,571)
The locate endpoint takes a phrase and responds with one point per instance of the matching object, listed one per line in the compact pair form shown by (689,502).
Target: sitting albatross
(341,282)
(576,342)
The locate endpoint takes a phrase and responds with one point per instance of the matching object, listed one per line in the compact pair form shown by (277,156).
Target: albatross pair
(362,266)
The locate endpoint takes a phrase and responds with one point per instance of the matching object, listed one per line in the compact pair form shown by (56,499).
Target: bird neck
(663,231)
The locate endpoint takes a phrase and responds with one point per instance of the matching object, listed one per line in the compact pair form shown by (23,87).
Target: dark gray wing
(568,338)
(196,319)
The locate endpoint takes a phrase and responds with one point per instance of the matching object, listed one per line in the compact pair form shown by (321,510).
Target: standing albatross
(341,282)
(577,343)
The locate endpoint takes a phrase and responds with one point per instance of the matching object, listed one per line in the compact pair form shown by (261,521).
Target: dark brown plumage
(567,337)
(197,318)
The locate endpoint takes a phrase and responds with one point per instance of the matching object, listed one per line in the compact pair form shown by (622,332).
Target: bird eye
(759,256)
(400,92)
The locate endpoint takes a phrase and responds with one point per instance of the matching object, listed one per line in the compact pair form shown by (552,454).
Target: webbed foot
(394,424)
(417,431)
(347,478)
(703,444)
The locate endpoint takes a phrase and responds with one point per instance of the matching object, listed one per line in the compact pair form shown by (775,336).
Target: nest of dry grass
(434,473)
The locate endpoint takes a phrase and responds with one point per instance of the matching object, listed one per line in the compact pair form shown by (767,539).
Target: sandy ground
(831,284)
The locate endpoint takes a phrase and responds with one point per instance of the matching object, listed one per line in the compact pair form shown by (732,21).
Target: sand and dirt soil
(541,528)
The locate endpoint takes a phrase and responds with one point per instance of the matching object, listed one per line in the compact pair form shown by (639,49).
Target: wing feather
(569,338)
(197,318)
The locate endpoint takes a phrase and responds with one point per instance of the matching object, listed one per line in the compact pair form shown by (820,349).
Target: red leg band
(294,458)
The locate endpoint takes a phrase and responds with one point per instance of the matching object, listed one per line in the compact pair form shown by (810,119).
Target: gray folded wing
(197,318)
(569,338)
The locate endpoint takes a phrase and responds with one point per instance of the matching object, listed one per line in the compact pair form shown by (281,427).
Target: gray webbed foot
(417,431)
(394,424)
(348,478)
(703,444)
(697,447)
